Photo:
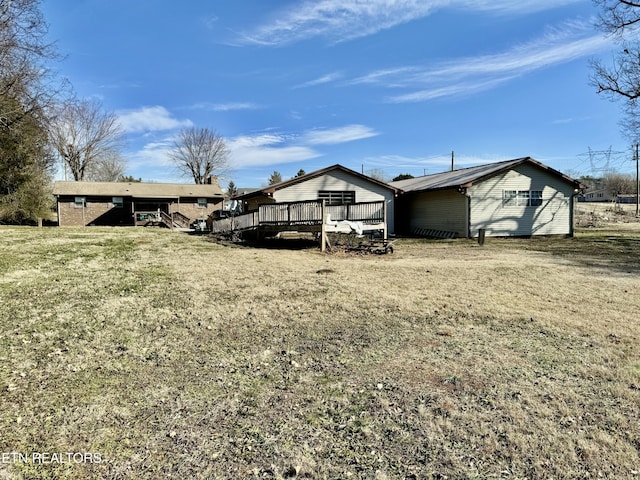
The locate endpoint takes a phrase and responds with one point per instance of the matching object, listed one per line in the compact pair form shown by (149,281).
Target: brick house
(135,204)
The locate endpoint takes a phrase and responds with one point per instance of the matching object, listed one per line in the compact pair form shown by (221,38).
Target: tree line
(42,123)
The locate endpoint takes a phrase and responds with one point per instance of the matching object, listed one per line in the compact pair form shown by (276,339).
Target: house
(335,185)
(596,190)
(133,204)
(520,197)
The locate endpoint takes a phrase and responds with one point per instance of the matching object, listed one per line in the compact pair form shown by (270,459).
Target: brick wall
(72,215)
(189,207)
(100,212)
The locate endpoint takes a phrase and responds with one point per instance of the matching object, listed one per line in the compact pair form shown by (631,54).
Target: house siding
(553,217)
(340,181)
(444,210)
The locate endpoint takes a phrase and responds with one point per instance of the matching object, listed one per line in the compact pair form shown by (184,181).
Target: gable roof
(137,189)
(270,189)
(465,177)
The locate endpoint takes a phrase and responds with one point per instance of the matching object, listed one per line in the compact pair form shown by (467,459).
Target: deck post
(384,219)
(323,230)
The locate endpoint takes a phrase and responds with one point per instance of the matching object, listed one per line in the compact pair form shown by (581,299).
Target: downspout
(572,207)
(463,191)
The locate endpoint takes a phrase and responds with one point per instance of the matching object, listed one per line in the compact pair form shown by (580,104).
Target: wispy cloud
(566,121)
(225,107)
(210,21)
(428,164)
(274,148)
(333,136)
(150,119)
(330,77)
(342,20)
(470,75)
(266,149)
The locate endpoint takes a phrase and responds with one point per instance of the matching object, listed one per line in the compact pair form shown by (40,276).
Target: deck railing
(301,213)
(372,212)
(292,213)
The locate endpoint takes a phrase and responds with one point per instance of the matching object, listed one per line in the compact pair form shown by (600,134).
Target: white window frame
(118,202)
(202,202)
(80,202)
(521,198)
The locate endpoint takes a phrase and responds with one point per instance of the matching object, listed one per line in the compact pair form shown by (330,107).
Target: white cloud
(150,119)
(266,149)
(469,75)
(273,148)
(225,107)
(342,20)
(429,164)
(210,21)
(456,90)
(330,77)
(333,136)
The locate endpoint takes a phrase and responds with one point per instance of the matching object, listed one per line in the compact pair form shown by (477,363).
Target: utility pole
(637,184)
(452,160)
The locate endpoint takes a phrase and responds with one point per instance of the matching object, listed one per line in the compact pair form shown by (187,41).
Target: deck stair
(174,220)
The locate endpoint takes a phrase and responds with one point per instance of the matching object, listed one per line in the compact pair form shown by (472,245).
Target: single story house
(135,203)
(336,185)
(520,197)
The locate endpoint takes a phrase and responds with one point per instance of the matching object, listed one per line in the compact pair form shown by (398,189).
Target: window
(118,202)
(509,198)
(202,203)
(536,198)
(80,202)
(522,198)
(332,197)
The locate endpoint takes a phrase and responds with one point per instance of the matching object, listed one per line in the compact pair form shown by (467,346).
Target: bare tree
(200,153)
(83,134)
(24,53)
(107,169)
(621,80)
(378,174)
(620,184)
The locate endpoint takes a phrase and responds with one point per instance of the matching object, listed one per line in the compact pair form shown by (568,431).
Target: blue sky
(385,85)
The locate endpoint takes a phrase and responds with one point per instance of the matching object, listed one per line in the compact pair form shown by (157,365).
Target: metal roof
(137,189)
(465,177)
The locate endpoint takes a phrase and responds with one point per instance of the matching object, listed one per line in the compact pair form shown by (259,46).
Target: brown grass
(519,359)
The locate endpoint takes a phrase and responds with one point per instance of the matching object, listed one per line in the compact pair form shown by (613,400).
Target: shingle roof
(464,177)
(137,189)
(317,173)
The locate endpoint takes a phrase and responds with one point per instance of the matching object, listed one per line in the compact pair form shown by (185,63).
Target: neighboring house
(520,197)
(336,185)
(129,204)
(596,191)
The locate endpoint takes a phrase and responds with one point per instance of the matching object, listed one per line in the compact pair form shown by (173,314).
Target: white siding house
(521,197)
(335,185)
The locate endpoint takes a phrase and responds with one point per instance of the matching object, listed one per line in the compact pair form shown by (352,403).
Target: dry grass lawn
(171,356)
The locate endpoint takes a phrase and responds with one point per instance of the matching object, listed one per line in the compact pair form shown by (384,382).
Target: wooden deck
(309,216)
